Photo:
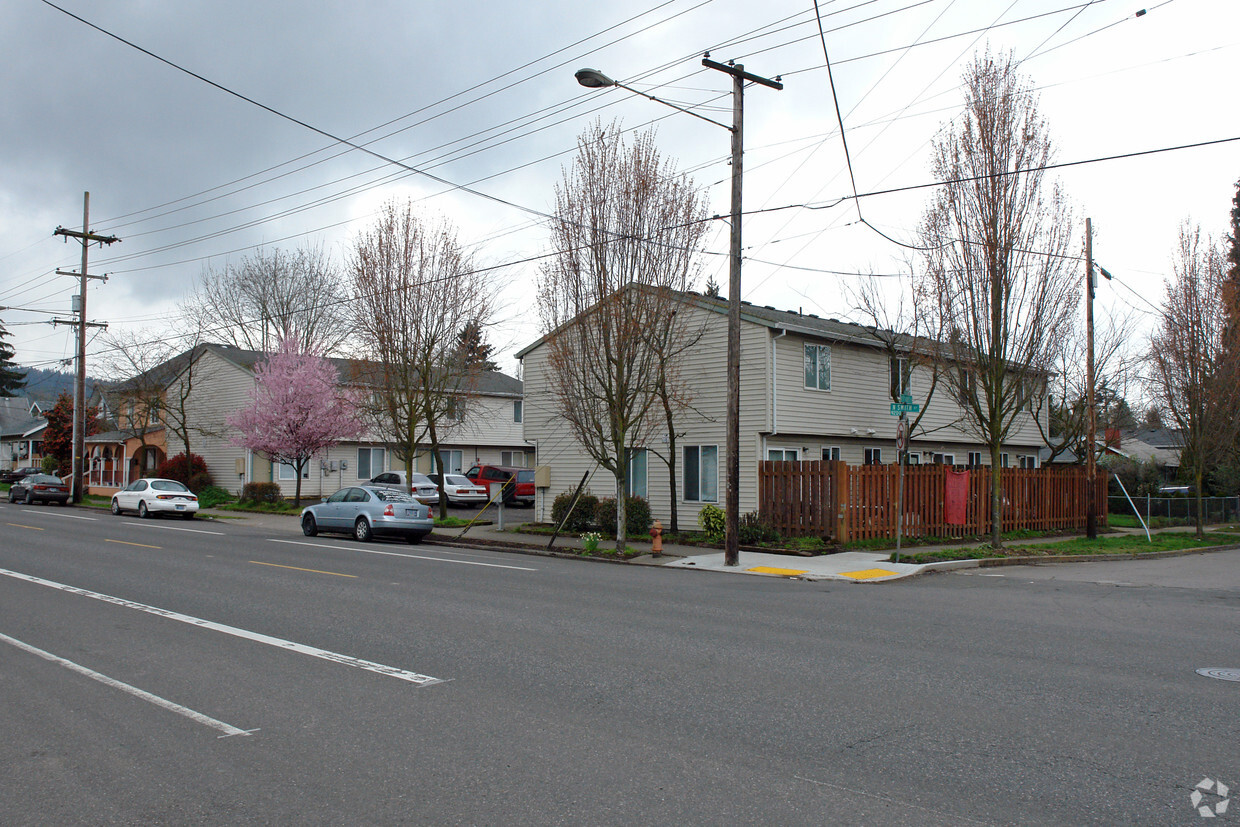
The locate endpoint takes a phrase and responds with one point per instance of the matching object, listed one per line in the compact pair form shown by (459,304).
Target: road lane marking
(54,514)
(175,528)
(245,634)
(19,525)
(409,556)
(227,729)
(126,543)
(299,568)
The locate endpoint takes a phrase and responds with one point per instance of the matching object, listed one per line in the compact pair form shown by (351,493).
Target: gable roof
(491,383)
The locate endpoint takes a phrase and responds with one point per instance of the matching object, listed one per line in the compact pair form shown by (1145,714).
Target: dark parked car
(19,473)
(366,512)
(518,482)
(39,488)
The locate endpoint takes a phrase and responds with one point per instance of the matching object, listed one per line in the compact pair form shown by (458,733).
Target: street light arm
(674,106)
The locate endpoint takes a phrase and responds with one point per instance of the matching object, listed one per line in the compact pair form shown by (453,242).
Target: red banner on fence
(955,496)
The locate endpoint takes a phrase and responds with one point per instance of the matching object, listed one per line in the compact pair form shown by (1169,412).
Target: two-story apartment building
(811,388)
(217,380)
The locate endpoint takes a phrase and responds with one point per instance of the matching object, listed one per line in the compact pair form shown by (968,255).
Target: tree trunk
(673,524)
(996,498)
(622,528)
(297,469)
(1198,476)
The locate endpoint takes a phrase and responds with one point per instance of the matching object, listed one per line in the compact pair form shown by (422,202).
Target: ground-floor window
(701,473)
(912,459)
(873,456)
(975,458)
(782,454)
(635,474)
(369,462)
(1027,461)
(945,459)
(289,472)
(1003,460)
(513,458)
(449,461)
(831,453)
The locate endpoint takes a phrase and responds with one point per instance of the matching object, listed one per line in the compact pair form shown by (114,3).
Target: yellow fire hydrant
(656,539)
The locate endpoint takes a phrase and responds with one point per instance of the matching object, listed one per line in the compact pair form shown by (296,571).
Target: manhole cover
(1221,674)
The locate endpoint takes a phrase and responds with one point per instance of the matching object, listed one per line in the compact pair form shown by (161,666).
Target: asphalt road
(298,680)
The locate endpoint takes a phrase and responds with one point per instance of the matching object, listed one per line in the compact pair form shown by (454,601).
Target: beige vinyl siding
(220,388)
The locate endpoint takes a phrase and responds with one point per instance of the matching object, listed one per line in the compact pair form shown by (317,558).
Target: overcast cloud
(188,175)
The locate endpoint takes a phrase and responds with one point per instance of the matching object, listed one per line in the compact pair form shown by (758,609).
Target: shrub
(713,523)
(50,465)
(751,529)
(261,492)
(210,496)
(636,515)
(190,471)
(583,515)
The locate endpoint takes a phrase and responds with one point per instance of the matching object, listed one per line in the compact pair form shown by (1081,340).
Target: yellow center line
(19,525)
(299,568)
(140,545)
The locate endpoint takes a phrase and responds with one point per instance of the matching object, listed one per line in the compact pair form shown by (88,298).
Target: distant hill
(44,384)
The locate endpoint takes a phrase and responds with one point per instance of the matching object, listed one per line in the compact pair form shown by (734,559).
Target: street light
(594,79)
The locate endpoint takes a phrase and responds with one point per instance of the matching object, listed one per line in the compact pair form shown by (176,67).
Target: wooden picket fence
(841,502)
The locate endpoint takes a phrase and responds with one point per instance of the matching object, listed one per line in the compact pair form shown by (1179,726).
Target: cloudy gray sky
(482,94)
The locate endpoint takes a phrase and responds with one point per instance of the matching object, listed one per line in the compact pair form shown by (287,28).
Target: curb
(993,562)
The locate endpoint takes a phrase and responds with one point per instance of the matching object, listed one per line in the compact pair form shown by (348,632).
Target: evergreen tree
(12,380)
(475,349)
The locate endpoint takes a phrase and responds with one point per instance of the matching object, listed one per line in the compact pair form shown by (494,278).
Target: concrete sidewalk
(848,566)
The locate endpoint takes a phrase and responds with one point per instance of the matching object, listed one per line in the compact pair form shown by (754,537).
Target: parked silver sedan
(367,511)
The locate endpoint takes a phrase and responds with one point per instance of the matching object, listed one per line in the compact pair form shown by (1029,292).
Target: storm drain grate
(1221,674)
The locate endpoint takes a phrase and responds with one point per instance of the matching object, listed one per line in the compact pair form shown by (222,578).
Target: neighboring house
(21,432)
(1160,446)
(222,377)
(811,389)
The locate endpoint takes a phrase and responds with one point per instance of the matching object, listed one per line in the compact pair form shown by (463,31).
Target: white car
(461,490)
(151,495)
(420,486)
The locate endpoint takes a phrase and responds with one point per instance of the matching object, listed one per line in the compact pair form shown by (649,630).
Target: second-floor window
(818,367)
(516,411)
(901,377)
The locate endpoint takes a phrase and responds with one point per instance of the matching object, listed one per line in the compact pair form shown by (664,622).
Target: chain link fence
(1178,509)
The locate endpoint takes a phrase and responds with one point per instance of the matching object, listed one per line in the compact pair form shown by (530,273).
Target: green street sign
(898,408)
(906,399)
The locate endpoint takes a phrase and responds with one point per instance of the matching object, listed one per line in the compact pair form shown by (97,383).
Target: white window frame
(904,365)
(632,478)
(372,471)
(944,459)
(1027,460)
(514,458)
(975,458)
(783,455)
(517,412)
(456,461)
(818,353)
(1003,460)
(831,452)
(875,454)
(698,450)
(291,474)
(911,458)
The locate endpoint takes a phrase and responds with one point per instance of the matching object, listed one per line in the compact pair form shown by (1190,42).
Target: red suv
(519,482)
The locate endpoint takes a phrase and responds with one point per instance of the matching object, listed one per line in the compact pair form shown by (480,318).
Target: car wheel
(308,526)
(142,512)
(116,507)
(414,539)
(361,530)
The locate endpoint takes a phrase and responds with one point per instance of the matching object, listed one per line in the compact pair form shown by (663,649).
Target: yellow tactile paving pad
(868,574)
(769,570)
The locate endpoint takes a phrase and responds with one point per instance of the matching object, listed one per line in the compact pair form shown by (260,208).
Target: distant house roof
(16,419)
(1162,445)
(492,382)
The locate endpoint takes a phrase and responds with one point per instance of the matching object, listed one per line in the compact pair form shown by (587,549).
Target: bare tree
(998,272)
(141,365)
(628,229)
(415,289)
(902,330)
(1063,422)
(252,304)
(1192,376)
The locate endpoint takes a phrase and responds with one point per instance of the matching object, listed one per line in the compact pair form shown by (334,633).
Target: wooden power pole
(86,237)
(1091,436)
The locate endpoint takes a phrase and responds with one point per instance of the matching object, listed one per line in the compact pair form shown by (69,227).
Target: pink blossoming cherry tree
(297,408)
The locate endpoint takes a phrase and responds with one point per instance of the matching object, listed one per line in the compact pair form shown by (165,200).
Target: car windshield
(525,476)
(391,495)
(168,485)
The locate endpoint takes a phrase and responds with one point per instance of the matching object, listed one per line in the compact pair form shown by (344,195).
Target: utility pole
(79,386)
(1091,467)
(732,504)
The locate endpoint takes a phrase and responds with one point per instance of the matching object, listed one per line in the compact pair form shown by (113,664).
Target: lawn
(1126,544)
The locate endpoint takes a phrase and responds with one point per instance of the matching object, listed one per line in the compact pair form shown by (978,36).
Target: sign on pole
(898,408)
